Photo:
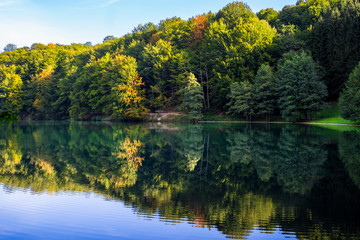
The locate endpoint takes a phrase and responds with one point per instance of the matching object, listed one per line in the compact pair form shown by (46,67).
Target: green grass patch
(331,114)
(340,128)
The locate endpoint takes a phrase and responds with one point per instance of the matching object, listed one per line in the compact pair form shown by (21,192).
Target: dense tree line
(243,63)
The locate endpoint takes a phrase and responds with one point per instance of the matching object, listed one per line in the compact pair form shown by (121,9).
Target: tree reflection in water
(234,178)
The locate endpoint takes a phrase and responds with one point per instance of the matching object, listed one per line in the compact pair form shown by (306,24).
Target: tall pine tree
(264,92)
(299,86)
(193,98)
(350,98)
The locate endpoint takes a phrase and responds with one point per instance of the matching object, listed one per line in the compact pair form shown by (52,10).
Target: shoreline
(279,122)
(205,122)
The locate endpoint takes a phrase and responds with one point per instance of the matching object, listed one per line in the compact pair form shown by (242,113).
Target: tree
(349,100)
(303,14)
(264,91)
(8,116)
(241,99)
(109,38)
(200,25)
(269,15)
(298,160)
(10,90)
(10,47)
(126,91)
(234,48)
(45,93)
(109,85)
(193,98)
(162,68)
(349,152)
(335,44)
(193,146)
(300,88)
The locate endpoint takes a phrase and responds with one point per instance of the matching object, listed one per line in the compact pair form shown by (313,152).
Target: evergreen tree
(264,91)
(335,44)
(299,86)
(241,99)
(193,98)
(350,98)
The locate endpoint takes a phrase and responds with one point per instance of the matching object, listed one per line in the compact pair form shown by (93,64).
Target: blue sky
(24,22)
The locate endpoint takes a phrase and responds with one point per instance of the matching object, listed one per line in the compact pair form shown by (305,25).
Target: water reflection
(237,179)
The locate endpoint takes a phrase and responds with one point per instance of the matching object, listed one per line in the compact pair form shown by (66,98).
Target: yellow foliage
(38,104)
(132,97)
(45,166)
(130,151)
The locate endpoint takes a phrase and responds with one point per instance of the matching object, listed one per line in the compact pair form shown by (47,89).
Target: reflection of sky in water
(244,182)
(66,215)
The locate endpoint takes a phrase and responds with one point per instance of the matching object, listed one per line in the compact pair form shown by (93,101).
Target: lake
(74,180)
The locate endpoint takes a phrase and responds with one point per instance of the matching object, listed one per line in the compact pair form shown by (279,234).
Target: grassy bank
(331,114)
(329,117)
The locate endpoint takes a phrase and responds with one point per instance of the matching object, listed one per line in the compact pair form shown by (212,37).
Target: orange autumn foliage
(201,23)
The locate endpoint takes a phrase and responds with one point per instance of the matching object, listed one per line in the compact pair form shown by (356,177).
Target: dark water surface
(125,181)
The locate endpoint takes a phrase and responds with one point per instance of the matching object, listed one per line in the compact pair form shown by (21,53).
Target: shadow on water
(235,178)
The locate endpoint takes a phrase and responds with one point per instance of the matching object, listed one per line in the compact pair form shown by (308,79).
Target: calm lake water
(149,181)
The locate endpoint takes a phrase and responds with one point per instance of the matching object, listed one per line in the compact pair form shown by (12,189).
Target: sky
(24,22)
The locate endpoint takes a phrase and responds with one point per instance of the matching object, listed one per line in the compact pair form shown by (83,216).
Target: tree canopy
(147,69)
(350,98)
(300,88)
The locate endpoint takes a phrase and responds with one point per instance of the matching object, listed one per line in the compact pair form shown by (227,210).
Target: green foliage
(331,114)
(235,46)
(264,91)
(82,81)
(269,15)
(109,38)
(193,98)
(335,43)
(10,89)
(193,146)
(349,150)
(241,99)
(162,68)
(216,173)
(305,13)
(349,101)
(10,47)
(8,116)
(110,86)
(299,86)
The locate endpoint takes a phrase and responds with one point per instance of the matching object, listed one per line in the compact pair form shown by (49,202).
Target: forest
(286,63)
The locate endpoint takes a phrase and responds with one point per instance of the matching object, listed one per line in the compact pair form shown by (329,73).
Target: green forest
(287,63)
